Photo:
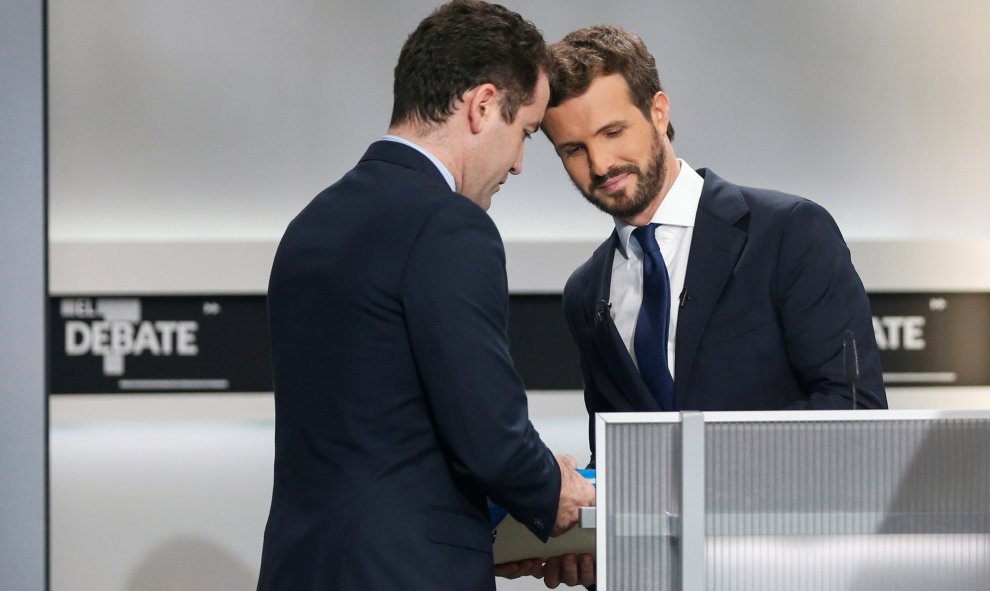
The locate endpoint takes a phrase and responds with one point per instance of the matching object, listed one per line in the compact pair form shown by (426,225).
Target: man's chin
(619,206)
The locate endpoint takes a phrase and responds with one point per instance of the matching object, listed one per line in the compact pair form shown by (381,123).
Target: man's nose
(517,166)
(599,161)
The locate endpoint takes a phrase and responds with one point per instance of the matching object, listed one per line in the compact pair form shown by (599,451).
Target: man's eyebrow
(566,145)
(617,122)
(600,130)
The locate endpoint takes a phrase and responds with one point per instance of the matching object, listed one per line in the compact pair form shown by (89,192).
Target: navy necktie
(652,325)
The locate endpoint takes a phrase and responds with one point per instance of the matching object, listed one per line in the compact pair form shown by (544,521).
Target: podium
(793,501)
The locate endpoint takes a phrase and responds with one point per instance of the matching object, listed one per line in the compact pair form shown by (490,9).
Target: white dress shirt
(676,216)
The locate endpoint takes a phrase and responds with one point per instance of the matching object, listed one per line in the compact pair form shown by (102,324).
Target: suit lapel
(632,393)
(715,249)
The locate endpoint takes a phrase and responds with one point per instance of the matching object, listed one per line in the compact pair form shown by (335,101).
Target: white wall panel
(203,120)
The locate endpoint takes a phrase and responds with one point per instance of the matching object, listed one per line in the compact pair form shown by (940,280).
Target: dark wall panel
(220,343)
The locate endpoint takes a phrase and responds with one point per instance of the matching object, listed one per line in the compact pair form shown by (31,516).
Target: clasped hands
(570,569)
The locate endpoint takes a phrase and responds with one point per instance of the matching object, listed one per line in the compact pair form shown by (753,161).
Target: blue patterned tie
(652,325)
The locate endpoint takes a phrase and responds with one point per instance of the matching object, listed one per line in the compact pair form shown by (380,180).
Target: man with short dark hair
(398,410)
(708,295)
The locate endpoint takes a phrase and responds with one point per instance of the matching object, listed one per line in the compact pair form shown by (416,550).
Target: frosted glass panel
(834,505)
(809,501)
(643,502)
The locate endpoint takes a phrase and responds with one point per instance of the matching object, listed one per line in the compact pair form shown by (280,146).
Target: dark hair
(588,53)
(463,44)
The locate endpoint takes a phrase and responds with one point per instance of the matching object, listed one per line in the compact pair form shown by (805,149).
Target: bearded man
(708,295)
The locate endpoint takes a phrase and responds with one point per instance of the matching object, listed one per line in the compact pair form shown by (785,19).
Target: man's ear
(660,110)
(482,103)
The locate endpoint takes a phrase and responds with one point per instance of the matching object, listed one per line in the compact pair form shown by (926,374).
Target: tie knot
(647,237)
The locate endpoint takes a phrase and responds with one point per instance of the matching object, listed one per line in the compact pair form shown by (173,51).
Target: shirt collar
(447,176)
(678,208)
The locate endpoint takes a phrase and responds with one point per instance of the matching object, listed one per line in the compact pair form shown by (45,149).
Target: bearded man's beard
(648,184)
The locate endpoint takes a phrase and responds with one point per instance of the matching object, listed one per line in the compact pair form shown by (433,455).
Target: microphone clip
(602,309)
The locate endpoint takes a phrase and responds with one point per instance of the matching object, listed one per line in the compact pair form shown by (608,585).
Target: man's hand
(523,568)
(575,492)
(569,569)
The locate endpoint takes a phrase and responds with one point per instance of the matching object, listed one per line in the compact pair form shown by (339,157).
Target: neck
(438,140)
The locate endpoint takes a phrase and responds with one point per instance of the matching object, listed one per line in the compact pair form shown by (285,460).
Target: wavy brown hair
(588,53)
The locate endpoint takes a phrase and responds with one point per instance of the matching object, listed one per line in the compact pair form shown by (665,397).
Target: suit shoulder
(793,217)
(804,219)
(720,189)
(455,227)
(770,209)
(769,198)
(779,202)
(463,221)
(765,214)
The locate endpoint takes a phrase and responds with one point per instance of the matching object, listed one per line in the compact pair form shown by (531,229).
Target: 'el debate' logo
(112,328)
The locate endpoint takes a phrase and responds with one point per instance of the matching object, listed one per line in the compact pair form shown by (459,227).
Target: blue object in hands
(497,513)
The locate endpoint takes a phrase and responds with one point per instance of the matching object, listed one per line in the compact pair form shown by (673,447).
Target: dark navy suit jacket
(398,409)
(769,292)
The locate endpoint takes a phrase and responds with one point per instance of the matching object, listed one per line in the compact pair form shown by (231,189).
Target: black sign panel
(159,344)
(220,344)
(933,339)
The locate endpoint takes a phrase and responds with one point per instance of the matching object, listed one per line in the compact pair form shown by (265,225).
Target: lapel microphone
(602,309)
(850,362)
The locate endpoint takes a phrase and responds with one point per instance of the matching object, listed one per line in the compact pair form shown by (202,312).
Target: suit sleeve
(820,296)
(455,300)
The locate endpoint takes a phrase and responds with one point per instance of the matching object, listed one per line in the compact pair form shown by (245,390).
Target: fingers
(552,572)
(586,570)
(509,570)
(522,568)
(569,569)
(534,568)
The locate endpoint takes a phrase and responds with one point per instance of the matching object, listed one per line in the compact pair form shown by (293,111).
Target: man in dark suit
(398,410)
(708,295)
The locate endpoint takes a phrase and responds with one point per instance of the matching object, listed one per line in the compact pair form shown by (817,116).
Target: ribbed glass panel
(643,463)
(861,505)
